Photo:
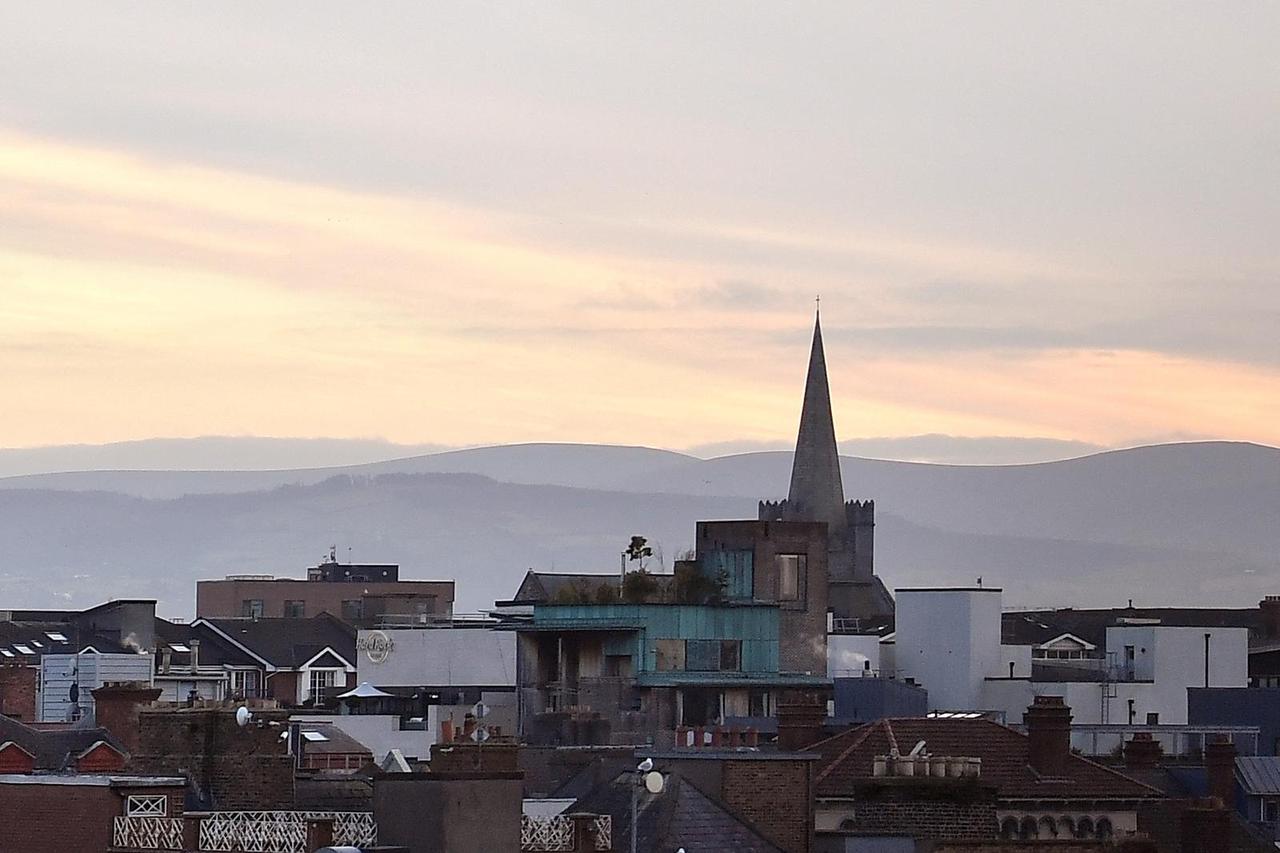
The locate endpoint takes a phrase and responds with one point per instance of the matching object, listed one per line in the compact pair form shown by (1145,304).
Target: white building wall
(439,657)
(1172,658)
(948,640)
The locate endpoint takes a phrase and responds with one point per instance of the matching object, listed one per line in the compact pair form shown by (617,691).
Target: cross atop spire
(817,493)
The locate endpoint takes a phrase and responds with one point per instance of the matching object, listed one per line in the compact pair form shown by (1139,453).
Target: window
(759,703)
(294,609)
(251,608)
(791,568)
(1153,718)
(148,805)
(353,610)
(319,680)
(730,655)
(244,683)
(670,655)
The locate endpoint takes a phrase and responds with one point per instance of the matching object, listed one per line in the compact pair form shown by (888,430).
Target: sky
(463,224)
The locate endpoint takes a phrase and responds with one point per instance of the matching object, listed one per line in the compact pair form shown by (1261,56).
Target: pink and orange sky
(565,223)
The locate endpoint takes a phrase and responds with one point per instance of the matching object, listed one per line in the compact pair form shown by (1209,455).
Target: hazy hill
(1167,524)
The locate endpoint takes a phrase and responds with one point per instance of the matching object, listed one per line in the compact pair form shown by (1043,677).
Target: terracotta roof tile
(847,758)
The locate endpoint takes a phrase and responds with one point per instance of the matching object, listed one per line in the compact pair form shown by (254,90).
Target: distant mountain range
(1167,524)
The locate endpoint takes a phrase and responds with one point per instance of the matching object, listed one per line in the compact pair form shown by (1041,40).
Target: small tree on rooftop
(639,587)
(606,593)
(638,549)
(693,586)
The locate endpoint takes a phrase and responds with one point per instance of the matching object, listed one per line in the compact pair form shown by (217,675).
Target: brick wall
(238,768)
(18,692)
(101,759)
(116,708)
(56,818)
(774,797)
(950,810)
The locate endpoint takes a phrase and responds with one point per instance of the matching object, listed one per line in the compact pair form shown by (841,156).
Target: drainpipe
(1207,635)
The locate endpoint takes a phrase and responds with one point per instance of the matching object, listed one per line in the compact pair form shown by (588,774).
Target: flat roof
(899,589)
(92,780)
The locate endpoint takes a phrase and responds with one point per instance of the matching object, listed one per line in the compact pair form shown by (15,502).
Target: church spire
(816,491)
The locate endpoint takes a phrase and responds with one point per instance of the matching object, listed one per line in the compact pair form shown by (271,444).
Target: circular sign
(376,645)
(653,782)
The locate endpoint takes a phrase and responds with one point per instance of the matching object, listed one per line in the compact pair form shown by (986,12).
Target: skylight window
(180,647)
(314,737)
(7,653)
(56,636)
(37,644)
(23,650)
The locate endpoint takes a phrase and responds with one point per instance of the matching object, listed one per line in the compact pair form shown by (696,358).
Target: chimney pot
(1142,751)
(194,645)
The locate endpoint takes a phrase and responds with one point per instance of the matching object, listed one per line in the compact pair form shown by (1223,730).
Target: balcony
(247,832)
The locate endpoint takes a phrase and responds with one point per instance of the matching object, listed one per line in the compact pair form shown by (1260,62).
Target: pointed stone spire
(816,491)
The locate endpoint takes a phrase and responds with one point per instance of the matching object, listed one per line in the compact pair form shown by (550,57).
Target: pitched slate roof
(683,815)
(847,758)
(214,648)
(1033,627)
(543,587)
(54,749)
(288,643)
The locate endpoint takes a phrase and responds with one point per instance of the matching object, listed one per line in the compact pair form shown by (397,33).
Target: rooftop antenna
(333,553)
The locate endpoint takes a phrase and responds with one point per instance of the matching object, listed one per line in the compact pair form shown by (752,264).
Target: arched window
(1048,829)
(1084,827)
(848,824)
(1104,830)
(1009,828)
(1066,827)
(1029,829)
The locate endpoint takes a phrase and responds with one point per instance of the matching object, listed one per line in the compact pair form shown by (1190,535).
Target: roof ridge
(867,729)
(715,801)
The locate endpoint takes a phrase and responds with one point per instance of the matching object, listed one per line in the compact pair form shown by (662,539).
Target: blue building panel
(756,626)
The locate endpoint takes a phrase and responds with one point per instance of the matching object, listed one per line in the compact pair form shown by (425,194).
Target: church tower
(817,494)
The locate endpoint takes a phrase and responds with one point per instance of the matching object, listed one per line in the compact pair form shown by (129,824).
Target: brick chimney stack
(799,725)
(1205,827)
(1142,751)
(1048,721)
(116,709)
(1220,763)
(1270,607)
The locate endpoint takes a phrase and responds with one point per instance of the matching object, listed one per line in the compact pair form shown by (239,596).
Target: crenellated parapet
(773,510)
(860,513)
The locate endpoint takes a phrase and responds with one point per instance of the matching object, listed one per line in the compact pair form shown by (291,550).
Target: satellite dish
(243,716)
(653,782)
(480,710)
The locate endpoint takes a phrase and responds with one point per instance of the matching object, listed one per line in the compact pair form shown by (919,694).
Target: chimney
(1205,827)
(195,655)
(1270,607)
(1220,764)
(1142,751)
(116,709)
(799,725)
(166,660)
(1048,721)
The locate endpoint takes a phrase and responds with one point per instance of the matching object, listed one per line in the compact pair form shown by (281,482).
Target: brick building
(1040,789)
(229,766)
(362,594)
(61,813)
